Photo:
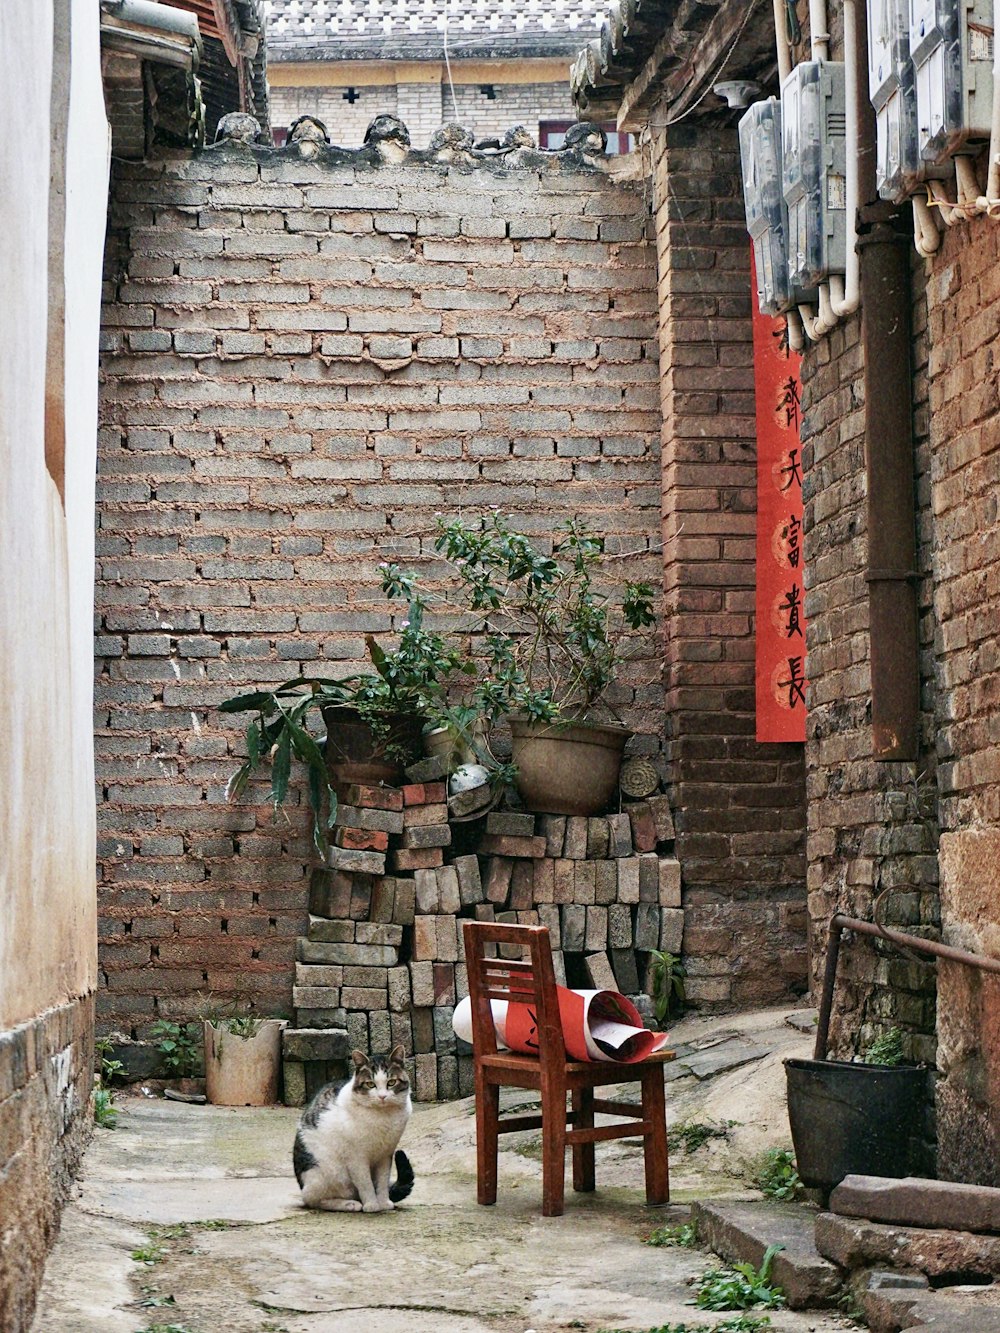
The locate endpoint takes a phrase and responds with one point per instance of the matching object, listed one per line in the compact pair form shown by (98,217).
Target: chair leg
(654,1143)
(487,1116)
(583,1153)
(553,1147)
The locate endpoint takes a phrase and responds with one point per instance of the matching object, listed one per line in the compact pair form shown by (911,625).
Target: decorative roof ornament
(388,137)
(238,127)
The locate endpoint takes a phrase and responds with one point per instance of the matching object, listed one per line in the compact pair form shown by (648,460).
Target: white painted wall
(47,894)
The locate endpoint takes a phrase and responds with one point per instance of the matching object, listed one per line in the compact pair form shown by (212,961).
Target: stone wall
(46,1075)
(382,959)
(739,805)
(305,360)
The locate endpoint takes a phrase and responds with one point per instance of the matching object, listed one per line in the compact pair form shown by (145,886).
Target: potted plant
(242,1060)
(551,640)
(374,722)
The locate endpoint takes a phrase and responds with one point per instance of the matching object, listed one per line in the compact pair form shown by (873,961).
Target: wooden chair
(554,1075)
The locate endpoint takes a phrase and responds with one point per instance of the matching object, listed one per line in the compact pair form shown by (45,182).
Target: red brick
(418,858)
(362,840)
(374,798)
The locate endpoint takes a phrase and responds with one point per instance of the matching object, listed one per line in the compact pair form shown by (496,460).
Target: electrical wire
(712,78)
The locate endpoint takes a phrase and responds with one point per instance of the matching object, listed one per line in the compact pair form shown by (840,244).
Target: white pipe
(796,337)
(926,235)
(827,315)
(993,179)
(945,208)
(781,41)
(846,294)
(819,38)
(810,323)
(968,186)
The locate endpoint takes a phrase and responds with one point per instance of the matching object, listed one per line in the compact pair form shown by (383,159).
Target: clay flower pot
(567,768)
(243,1071)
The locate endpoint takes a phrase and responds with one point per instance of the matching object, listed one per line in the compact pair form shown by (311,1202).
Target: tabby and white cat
(348,1135)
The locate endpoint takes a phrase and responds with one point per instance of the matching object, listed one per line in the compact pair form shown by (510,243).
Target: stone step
(919,1203)
(903,1303)
(741,1231)
(854,1242)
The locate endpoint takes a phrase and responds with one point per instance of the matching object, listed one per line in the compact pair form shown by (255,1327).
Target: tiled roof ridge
(416,29)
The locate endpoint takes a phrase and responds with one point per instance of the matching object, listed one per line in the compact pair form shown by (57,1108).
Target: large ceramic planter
(353,754)
(567,768)
(243,1071)
(852,1119)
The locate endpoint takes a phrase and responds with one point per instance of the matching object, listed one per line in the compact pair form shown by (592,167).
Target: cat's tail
(403,1183)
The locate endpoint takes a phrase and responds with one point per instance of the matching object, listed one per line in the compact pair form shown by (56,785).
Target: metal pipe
(891,572)
(840,923)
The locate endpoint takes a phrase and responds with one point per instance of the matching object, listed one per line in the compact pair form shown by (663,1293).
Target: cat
(347,1139)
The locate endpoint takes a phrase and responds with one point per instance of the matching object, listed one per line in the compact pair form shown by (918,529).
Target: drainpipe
(885,337)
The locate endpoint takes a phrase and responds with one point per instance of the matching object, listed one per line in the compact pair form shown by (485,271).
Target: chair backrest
(529,980)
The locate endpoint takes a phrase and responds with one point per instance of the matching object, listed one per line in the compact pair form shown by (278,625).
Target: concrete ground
(187,1219)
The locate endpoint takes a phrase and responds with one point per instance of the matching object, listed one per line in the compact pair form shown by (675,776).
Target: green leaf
(281,768)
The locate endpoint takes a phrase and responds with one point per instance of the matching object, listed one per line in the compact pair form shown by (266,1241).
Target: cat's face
(381,1080)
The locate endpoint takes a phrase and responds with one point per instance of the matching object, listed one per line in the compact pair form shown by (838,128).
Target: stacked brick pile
(382,961)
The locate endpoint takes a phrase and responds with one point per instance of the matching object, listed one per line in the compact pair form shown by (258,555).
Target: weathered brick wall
(46,1077)
(303,364)
(963,336)
(739,805)
(872,825)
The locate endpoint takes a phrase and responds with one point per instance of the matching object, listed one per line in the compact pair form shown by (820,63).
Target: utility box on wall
(951,44)
(898,167)
(760,153)
(814,171)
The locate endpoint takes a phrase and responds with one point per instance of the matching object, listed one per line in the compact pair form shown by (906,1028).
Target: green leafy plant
(552,637)
(178,1050)
(152,1253)
(693,1134)
(741,1323)
(666,983)
(741,1286)
(776,1176)
(886,1049)
(105,1112)
(685,1235)
(110,1068)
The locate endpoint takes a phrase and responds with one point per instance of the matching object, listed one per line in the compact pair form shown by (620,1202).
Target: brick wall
(425,107)
(739,805)
(963,462)
(45,1084)
(303,364)
(872,825)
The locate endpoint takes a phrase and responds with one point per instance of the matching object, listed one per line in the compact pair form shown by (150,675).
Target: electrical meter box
(760,153)
(898,166)
(951,45)
(814,171)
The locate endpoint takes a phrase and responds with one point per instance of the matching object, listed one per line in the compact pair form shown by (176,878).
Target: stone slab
(857,1243)
(917,1202)
(740,1232)
(314,1044)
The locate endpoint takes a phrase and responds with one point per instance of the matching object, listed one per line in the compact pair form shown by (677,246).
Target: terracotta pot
(354,755)
(567,768)
(243,1071)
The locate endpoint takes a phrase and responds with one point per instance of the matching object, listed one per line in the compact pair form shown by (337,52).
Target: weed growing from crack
(775,1174)
(150,1254)
(741,1286)
(685,1235)
(693,1134)
(741,1323)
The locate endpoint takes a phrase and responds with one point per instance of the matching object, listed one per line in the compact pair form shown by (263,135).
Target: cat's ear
(359,1058)
(397,1055)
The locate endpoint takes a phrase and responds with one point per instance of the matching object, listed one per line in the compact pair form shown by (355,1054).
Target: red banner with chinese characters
(781,624)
